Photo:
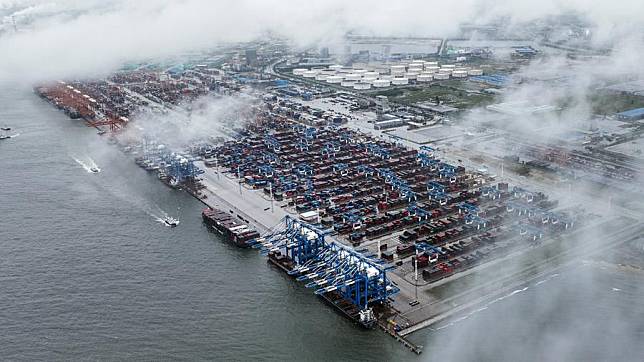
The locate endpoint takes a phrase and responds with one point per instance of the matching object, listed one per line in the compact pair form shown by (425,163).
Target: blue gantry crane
(181,168)
(328,267)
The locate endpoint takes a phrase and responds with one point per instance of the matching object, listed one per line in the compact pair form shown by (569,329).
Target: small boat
(4,137)
(6,128)
(170,221)
(94,170)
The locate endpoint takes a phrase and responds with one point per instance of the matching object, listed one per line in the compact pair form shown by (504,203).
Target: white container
(432,69)
(475,72)
(335,67)
(448,66)
(360,71)
(353,76)
(348,83)
(334,79)
(299,71)
(441,76)
(321,77)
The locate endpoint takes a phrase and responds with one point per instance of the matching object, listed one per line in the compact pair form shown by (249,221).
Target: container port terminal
(382,205)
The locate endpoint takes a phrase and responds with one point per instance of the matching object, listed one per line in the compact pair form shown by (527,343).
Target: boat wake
(162,217)
(89,165)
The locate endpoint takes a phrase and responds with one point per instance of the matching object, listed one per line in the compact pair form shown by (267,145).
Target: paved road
(223,192)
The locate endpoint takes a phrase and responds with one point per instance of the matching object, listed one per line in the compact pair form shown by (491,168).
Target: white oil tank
(361,86)
(299,71)
(459,74)
(397,70)
(381,83)
(425,77)
(475,72)
(335,79)
(400,81)
(310,74)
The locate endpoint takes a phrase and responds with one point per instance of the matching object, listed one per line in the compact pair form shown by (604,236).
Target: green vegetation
(610,103)
(453,93)
(606,103)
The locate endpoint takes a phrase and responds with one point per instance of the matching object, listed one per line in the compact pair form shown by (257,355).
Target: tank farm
(363,214)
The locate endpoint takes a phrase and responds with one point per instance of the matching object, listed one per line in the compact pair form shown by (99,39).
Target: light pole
(239,178)
(416,274)
(270,185)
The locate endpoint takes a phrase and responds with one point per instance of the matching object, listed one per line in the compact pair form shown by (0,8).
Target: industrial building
(631,115)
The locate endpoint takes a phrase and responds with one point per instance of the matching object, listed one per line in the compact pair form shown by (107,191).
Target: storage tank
(459,74)
(441,76)
(412,75)
(431,64)
(335,67)
(353,76)
(432,69)
(348,83)
(416,66)
(360,71)
(397,69)
(371,75)
(299,71)
(361,86)
(310,73)
(448,66)
(321,77)
(475,72)
(425,77)
(381,83)
(334,79)
(400,81)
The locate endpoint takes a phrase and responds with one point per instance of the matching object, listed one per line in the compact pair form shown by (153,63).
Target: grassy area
(610,103)
(453,93)
(607,103)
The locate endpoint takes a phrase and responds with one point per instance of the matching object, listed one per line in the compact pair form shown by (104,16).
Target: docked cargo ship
(334,299)
(239,234)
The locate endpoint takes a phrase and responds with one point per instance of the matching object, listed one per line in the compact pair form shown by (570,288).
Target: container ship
(239,234)
(334,299)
